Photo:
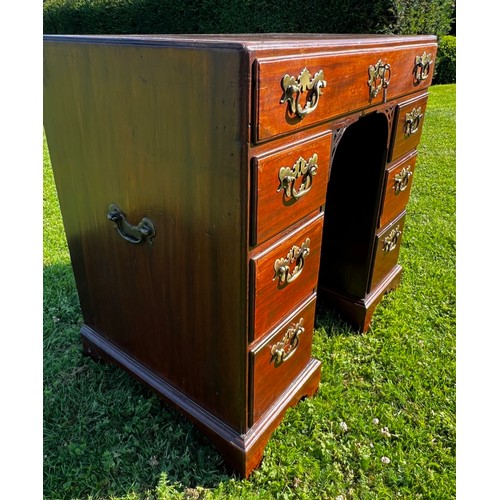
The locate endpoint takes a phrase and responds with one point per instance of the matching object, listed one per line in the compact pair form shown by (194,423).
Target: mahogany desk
(211,186)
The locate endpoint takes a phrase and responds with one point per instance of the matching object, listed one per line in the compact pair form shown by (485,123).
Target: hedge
(264,16)
(446,61)
(248,16)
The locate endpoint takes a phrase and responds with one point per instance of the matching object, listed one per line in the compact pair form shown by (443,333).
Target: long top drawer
(296,92)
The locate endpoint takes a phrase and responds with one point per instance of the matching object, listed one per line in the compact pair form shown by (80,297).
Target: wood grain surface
(158,132)
(346,89)
(272,299)
(394,199)
(402,142)
(274,211)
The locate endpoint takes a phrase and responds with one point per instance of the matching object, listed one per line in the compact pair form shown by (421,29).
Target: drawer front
(398,181)
(284,275)
(289,185)
(277,361)
(388,243)
(408,126)
(297,92)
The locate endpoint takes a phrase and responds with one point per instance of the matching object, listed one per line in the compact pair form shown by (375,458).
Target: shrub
(446,63)
(247,16)
(422,17)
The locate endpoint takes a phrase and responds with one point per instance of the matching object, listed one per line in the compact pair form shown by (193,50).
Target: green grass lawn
(382,424)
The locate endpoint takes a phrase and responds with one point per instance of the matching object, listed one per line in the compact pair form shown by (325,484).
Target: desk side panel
(157,131)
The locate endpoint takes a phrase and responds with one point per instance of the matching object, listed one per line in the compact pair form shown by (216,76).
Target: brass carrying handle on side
(142,232)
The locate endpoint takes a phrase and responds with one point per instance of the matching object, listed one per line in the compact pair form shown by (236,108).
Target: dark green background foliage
(446,64)
(265,16)
(248,16)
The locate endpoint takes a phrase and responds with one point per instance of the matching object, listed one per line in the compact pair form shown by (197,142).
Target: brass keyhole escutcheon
(379,76)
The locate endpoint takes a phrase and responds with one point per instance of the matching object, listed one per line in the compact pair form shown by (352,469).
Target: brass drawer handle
(412,121)
(144,231)
(282,266)
(391,241)
(422,67)
(302,168)
(401,179)
(286,347)
(379,76)
(294,87)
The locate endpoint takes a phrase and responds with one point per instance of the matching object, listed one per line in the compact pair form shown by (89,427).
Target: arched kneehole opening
(352,205)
